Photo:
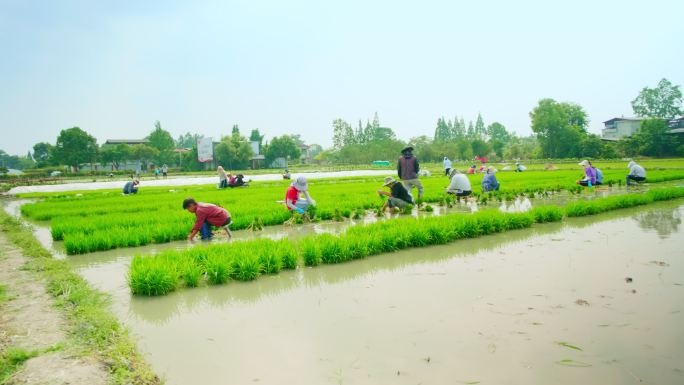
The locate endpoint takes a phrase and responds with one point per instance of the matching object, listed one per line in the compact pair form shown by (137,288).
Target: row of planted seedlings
(246,260)
(99,221)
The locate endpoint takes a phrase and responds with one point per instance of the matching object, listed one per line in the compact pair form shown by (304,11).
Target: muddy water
(491,310)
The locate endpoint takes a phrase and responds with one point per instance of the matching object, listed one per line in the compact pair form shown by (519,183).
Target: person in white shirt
(460,185)
(636,173)
(447,166)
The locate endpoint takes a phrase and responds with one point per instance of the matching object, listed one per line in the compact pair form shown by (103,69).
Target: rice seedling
(153,276)
(218,267)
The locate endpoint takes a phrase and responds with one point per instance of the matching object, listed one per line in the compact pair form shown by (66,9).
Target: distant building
(131,142)
(305,151)
(129,164)
(618,128)
(676,125)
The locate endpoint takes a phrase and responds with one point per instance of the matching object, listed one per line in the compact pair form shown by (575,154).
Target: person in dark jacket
(407,169)
(131,187)
(397,197)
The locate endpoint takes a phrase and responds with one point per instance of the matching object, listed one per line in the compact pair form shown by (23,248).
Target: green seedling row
(246,260)
(214,264)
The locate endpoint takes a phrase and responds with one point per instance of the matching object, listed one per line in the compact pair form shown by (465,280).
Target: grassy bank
(93,331)
(246,260)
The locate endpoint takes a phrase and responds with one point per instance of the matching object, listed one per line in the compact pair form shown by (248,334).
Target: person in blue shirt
(489,182)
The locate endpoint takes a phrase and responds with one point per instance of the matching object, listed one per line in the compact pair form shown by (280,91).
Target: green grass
(11,360)
(247,260)
(92,330)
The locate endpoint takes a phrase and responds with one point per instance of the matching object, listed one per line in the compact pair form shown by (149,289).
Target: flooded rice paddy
(594,300)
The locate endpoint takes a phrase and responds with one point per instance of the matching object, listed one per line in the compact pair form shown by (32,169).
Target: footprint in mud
(582,302)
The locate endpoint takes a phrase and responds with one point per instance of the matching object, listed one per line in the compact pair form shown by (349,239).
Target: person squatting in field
(489,182)
(398,197)
(207,215)
(293,196)
(589,178)
(131,187)
(407,169)
(636,173)
(459,185)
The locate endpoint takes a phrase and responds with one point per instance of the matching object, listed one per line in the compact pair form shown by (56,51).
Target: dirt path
(28,321)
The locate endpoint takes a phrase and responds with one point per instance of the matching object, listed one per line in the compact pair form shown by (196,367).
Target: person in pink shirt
(207,215)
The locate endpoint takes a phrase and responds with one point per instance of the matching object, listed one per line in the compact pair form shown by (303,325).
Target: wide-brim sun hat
(491,170)
(388,181)
(301,184)
(583,163)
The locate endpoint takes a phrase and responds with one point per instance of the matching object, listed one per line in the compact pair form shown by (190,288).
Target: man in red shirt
(207,215)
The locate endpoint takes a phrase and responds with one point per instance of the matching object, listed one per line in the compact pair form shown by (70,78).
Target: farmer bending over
(589,174)
(489,182)
(207,215)
(398,197)
(460,185)
(131,187)
(293,199)
(636,173)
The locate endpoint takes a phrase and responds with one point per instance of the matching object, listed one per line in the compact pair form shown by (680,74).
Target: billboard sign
(205,149)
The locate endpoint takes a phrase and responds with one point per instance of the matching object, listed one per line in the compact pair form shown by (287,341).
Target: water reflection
(663,221)
(519,205)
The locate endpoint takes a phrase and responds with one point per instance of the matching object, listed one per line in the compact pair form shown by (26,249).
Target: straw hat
(300,184)
(388,181)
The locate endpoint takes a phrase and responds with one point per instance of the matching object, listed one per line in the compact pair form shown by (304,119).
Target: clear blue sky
(113,68)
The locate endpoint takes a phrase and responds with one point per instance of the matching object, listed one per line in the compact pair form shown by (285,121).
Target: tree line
(75,147)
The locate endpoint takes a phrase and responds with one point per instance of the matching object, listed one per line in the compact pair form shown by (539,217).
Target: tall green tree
(144,153)
(654,139)
(559,127)
(498,137)
(187,140)
(343,134)
(115,155)
(480,130)
(664,101)
(75,147)
(234,151)
(282,147)
(161,140)
(470,133)
(42,154)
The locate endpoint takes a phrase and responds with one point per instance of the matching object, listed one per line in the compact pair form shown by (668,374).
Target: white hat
(583,163)
(491,170)
(388,181)
(300,184)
